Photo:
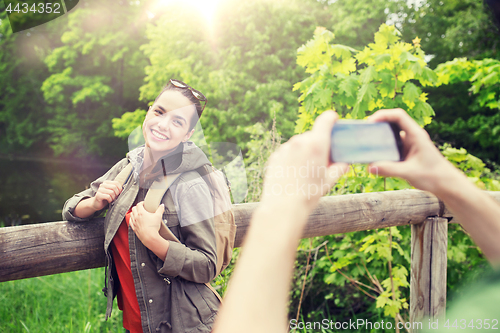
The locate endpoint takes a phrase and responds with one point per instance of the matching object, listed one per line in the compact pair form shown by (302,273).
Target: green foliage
(451,29)
(355,22)
(354,83)
(456,29)
(386,74)
(475,122)
(244,64)
(262,144)
(128,122)
(95,69)
(473,167)
(22,120)
(484,76)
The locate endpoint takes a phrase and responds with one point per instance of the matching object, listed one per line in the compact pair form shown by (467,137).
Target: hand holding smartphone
(360,141)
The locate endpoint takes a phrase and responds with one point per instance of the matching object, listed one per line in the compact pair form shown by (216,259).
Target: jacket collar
(191,157)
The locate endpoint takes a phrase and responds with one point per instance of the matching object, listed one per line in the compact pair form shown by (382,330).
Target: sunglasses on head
(198,95)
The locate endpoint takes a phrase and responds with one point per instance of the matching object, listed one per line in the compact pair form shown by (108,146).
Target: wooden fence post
(429,241)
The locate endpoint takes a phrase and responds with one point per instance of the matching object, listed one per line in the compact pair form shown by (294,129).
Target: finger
(112,186)
(109,192)
(400,117)
(160,210)
(104,197)
(117,188)
(324,123)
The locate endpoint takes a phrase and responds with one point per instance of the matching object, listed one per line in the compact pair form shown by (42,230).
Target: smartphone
(360,141)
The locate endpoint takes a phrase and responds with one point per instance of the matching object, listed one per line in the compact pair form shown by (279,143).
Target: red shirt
(127,299)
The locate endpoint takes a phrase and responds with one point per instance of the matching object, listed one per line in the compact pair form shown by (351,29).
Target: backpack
(225,226)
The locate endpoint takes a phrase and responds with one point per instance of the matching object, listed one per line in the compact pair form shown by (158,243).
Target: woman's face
(167,122)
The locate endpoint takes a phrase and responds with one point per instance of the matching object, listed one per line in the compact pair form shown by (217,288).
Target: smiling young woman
(159,284)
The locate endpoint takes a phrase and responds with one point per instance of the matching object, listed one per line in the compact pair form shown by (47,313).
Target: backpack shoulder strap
(157,191)
(124,175)
(153,199)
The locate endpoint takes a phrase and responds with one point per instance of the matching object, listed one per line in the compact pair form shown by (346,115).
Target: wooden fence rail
(56,247)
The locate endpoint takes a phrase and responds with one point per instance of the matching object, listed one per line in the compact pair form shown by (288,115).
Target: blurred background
(73,89)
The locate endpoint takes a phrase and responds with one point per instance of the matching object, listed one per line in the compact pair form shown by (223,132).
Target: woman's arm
(83,202)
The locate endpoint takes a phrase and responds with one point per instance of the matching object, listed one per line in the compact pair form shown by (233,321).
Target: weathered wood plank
(50,248)
(439,264)
(365,211)
(428,270)
(420,274)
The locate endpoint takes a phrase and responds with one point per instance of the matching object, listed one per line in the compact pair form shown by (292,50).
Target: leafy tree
(355,22)
(476,122)
(451,29)
(96,71)
(245,65)
(22,120)
(375,264)
(377,77)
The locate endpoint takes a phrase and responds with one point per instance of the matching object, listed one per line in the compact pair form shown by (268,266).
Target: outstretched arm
(426,169)
(257,295)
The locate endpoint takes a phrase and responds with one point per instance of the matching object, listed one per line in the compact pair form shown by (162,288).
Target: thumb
(388,169)
(160,209)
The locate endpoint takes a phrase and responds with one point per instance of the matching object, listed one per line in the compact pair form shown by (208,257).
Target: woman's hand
(146,225)
(107,193)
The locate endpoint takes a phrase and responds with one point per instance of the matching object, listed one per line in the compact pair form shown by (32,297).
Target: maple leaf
(323,96)
(349,86)
(410,94)
(386,35)
(369,74)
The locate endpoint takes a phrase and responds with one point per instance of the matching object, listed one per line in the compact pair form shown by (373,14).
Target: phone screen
(359,141)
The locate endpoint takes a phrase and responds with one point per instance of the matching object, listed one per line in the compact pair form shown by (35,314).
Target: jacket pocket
(172,222)
(197,315)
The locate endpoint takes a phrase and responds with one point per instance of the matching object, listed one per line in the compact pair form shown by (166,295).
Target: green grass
(68,302)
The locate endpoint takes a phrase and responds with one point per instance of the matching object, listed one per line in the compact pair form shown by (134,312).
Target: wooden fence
(57,247)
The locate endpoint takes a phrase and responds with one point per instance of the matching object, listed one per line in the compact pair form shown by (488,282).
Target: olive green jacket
(171,291)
